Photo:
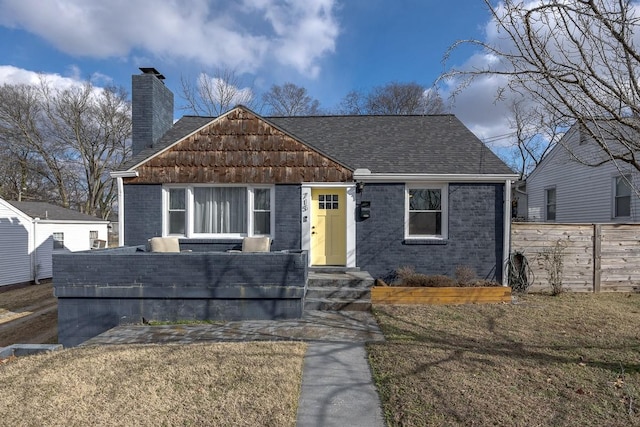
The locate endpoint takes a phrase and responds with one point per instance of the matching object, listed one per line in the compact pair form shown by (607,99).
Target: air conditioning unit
(98,244)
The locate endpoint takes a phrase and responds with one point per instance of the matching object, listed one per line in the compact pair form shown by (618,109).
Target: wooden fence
(595,257)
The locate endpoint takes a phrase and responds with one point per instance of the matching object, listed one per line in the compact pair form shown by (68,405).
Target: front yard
(221,384)
(571,360)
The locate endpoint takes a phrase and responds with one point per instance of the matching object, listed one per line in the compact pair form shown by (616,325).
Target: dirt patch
(224,384)
(28,315)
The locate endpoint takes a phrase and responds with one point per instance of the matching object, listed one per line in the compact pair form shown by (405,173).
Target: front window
(262,211)
(426,211)
(229,211)
(550,197)
(622,198)
(220,210)
(176,211)
(58,240)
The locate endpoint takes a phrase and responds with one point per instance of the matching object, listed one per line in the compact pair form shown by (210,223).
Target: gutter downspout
(118,176)
(35,251)
(506,243)
(120,211)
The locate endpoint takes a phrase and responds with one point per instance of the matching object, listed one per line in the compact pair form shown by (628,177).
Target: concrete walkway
(337,388)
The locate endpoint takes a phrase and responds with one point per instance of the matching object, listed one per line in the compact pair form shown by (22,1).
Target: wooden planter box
(413,295)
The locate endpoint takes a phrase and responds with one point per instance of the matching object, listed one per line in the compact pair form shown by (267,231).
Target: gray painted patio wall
(98,290)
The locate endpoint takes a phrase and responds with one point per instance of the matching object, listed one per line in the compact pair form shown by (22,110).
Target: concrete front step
(353,293)
(355,279)
(326,304)
(336,291)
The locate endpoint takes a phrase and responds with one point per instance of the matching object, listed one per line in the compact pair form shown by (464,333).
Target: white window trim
(444,191)
(189,209)
(614,196)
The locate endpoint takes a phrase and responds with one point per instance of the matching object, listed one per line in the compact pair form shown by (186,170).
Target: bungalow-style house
(32,231)
(368,192)
(564,188)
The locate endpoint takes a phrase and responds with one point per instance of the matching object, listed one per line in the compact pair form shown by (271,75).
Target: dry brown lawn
(28,314)
(572,360)
(219,384)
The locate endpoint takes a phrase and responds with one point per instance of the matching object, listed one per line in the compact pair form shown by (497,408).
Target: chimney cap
(150,70)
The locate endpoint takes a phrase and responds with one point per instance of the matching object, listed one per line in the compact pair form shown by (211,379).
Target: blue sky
(327,46)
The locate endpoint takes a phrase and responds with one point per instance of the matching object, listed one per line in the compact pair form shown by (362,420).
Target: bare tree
(577,59)
(22,174)
(536,133)
(394,98)
(217,94)
(66,141)
(290,100)
(24,127)
(96,125)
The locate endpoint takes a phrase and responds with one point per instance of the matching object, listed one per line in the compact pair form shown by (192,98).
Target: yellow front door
(328,226)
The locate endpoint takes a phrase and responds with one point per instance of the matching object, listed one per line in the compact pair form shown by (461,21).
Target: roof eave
(362,176)
(129,173)
(70,221)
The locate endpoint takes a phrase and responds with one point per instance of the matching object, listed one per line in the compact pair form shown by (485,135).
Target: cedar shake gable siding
(240,147)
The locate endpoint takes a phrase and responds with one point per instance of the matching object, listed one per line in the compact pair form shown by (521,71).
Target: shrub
(440,281)
(553,261)
(465,275)
(404,272)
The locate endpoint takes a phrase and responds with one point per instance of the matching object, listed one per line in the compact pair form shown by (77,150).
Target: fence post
(597,256)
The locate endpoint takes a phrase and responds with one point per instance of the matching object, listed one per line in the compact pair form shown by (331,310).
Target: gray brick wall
(287,214)
(142,213)
(143,219)
(151,111)
(102,289)
(475,233)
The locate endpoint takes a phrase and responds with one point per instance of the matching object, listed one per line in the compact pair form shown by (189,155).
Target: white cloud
(216,89)
(479,108)
(13,75)
(242,36)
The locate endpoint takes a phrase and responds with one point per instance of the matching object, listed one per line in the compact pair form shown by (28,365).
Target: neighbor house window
(622,197)
(550,201)
(231,211)
(176,214)
(426,211)
(58,240)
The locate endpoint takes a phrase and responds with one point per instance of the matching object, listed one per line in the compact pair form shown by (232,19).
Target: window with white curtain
(219,210)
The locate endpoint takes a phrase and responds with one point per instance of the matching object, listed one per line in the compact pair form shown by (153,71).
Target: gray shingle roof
(45,210)
(436,144)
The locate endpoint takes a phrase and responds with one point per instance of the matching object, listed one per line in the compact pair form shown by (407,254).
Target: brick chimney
(151,109)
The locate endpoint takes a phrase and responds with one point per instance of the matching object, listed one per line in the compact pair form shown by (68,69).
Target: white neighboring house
(564,189)
(31,231)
